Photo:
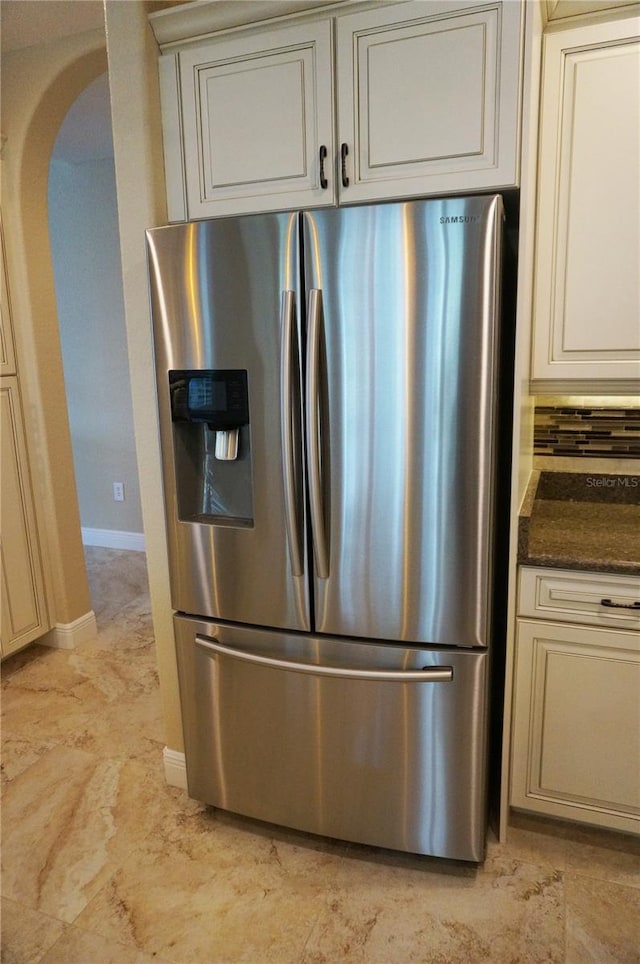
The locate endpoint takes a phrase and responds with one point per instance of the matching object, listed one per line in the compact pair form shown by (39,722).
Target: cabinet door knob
(344,150)
(615,605)
(323,181)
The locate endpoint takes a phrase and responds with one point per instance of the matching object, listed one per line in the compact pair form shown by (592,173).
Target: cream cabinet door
(587,284)
(7,351)
(428,97)
(257,122)
(24,615)
(577,724)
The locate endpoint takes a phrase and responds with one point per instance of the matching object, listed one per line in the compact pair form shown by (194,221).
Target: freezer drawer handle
(430,674)
(289,448)
(313,434)
(614,605)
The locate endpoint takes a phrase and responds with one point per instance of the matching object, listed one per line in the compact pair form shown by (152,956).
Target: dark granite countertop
(571,520)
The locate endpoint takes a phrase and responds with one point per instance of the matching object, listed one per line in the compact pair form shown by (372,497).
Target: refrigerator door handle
(313,433)
(430,674)
(287,353)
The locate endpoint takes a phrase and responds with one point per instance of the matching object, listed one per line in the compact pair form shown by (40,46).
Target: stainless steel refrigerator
(327,401)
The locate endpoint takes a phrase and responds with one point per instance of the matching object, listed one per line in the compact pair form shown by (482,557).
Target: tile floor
(102,862)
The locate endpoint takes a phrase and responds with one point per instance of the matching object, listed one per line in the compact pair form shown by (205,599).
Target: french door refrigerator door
(372,743)
(225,299)
(401,371)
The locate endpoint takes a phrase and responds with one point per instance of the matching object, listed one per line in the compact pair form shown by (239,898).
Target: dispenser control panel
(218,397)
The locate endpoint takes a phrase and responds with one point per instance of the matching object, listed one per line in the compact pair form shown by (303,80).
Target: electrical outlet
(118,491)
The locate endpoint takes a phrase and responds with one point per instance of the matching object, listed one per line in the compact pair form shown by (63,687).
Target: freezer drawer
(367,742)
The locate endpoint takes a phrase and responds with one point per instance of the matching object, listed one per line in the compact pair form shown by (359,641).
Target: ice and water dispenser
(210,416)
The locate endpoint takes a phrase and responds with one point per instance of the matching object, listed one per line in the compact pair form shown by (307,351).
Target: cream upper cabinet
(587,271)
(424,97)
(24,614)
(257,121)
(576,726)
(428,97)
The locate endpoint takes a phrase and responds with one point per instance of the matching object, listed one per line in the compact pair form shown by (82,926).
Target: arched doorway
(39,86)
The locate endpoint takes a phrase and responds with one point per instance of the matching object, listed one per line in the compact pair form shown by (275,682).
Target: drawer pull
(614,605)
(344,150)
(323,180)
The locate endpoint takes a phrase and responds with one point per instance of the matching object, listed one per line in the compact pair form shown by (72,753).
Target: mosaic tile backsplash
(605,433)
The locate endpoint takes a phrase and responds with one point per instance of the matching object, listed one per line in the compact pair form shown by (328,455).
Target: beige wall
(137,141)
(38,87)
(85,244)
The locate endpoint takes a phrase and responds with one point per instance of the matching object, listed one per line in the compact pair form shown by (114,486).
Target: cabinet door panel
(577,724)
(256,112)
(429,104)
(7,352)
(403,125)
(578,692)
(23,609)
(587,294)
(600,186)
(269,144)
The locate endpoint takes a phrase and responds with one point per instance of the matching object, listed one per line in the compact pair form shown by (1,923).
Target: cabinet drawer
(598,599)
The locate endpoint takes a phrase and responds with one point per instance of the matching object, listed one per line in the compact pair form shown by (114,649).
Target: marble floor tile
(68,821)
(131,631)
(117,578)
(241,896)
(589,851)
(603,922)
(98,703)
(80,947)
(440,913)
(529,843)
(612,857)
(16,663)
(18,755)
(203,833)
(26,934)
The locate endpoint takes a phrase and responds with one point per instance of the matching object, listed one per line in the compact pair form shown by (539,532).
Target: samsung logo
(461,219)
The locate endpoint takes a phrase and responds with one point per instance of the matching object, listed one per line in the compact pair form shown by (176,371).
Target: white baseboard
(70,635)
(113,539)
(175,768)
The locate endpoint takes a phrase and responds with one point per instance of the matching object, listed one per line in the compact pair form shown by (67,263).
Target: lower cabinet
(576,743)
(24,611)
